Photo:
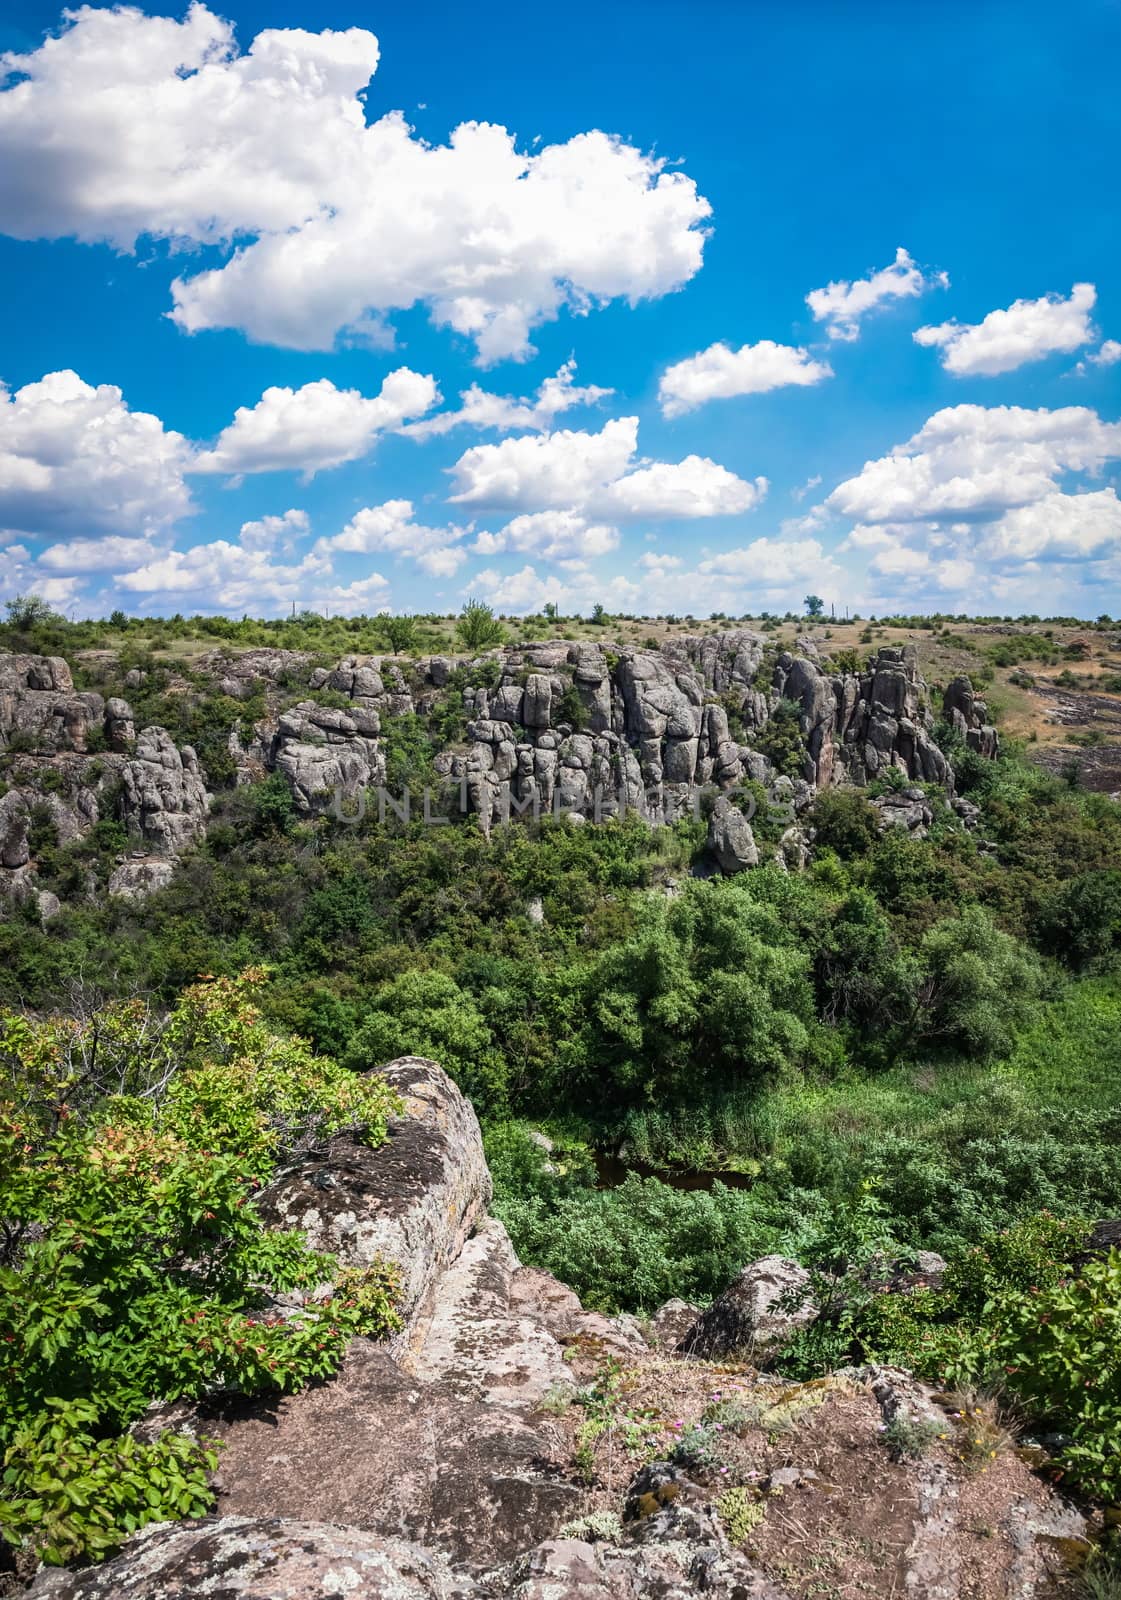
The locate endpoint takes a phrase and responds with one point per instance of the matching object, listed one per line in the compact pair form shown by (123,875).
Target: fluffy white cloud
(389,529)
(552,535)
(597,474)
(979,499)
(1027,331)
(74,458)
(1107,355)
(226,574)
(693,487)
(841,305)
(721,373)
(95,555)
(228,577)
(768,572)
(978,461)
(315,427)
(275,532)
(900,561)
(654,561)
(480,409)
(126,125)
(1059,527)
(19,574)
(771,563)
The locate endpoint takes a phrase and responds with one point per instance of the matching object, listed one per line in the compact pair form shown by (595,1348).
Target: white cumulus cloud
(552,535)
(390,529)
(109,554)
(978,461)
(1026,331)
(75,459)
(597,474)
(482,410)
(981,498)
(842,304)
(1106,355)
(124,125)
(721,373)
(273,532)
(315,427)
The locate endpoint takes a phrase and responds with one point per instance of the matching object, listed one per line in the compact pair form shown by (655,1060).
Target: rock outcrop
(669,1557)
(448,1464)
(575,727)
(435,1437)
(564,727)
(968,715)
(89,747)
(414,1200)
(756,1314)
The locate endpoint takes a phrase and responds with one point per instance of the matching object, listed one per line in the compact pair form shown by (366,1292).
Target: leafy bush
(711,990)
(135,1265)
(428,1014)
(1011,1314)
(637,1246)
(477,626)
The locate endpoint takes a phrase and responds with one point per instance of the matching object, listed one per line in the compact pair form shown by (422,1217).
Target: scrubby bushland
(135,1266)
(937,1017)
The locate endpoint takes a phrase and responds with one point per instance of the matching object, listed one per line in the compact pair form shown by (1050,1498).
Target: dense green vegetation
(133,1263)
(912,1044)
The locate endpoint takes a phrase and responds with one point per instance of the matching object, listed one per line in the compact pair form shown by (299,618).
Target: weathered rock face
(671,1322)
(755,1315)
(968,715)
(414,1200)
(435,1437)
(570,726)
(164,802)
(39,707)
(730,838)
(560,727)
(430,1470)
(324,752)
(89,744)
(261,1558)
(552,1305)
(674,1555)
(856,727)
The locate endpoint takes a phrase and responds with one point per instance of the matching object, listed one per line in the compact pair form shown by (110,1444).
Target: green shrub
(135,1266)
(428,1014)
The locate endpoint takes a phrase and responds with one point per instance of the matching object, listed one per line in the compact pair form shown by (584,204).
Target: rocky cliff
(510,1444)
(561,727)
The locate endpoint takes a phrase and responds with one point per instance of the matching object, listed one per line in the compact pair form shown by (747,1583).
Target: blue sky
(193,223)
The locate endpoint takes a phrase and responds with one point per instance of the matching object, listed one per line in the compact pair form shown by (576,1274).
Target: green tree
(401,632)
(814,605)
(28,611)
(478,627)
(134,1265)
(973,987)
(1081,921)
(428,1014)
(711,991)
(780,739)
(845,822)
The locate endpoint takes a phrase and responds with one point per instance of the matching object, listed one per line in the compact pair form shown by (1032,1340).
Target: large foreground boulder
(262,1558)
(757,1313)
(435,1437)
(414,1200)
(671,1556)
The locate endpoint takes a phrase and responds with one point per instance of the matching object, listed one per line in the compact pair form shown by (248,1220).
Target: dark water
(612,1170)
